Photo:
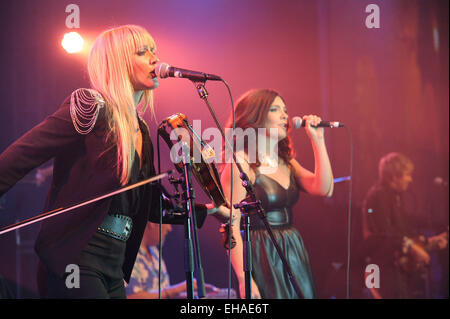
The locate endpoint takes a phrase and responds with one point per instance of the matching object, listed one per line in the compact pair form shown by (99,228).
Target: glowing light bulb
(72,42)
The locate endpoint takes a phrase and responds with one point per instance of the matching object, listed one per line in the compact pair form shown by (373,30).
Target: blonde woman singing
(99,142)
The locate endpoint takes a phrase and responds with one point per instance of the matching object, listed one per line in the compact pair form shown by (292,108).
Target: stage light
(72,42)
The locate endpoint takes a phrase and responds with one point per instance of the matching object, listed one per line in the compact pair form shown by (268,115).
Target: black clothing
(385,219)
(386,222)
(268,272)
(85,166)
(101,275)
(101,261)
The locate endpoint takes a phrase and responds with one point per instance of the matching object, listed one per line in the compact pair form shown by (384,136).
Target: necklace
(270,161)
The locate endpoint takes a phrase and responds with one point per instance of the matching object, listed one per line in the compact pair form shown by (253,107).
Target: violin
(200,155)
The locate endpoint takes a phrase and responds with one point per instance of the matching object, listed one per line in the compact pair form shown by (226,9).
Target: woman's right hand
(222,213)
(255,290)
(314,133)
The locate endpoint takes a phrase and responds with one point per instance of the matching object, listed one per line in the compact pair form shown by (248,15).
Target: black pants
(100,273)
(92,285)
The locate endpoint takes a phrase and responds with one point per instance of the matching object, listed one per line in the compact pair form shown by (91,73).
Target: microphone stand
(245,207)
(190,228)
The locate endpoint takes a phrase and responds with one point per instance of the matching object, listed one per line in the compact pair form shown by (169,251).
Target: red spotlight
(72,42)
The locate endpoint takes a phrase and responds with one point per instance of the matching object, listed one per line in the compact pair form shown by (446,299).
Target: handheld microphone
(298,123)
(163,70)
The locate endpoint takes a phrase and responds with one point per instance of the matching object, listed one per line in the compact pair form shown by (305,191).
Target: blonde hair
(110,67)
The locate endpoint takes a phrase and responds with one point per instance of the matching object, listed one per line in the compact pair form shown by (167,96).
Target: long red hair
(251,112)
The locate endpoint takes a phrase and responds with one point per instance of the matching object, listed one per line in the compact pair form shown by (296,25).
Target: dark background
(388,85)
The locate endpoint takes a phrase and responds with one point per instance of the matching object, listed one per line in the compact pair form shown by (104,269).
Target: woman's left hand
(314,133)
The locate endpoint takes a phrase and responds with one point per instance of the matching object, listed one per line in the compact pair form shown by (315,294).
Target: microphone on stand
(298,123)
(164,70)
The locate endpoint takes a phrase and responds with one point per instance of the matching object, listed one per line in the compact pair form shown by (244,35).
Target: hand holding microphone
(313,131)
(299,122)
(314,125)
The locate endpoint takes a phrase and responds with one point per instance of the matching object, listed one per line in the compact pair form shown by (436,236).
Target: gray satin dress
(268,272)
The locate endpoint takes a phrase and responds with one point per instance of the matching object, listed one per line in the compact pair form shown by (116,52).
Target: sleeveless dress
(268,272)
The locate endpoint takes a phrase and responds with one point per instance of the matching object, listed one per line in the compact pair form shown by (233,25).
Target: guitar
(415,252)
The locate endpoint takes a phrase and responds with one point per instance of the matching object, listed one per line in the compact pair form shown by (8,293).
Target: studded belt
(116,226)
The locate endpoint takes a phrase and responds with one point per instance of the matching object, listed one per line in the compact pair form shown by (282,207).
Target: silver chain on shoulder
(84,109)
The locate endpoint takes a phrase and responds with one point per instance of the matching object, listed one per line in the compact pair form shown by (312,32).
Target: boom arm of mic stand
(249,188)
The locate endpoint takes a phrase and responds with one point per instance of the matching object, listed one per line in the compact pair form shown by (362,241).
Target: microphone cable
(230,223)
(349,216)
(160,217)
(231,188)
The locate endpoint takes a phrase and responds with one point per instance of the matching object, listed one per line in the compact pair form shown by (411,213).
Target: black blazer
(85,166)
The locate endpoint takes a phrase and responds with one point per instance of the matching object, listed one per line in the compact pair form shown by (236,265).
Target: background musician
(390,230)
